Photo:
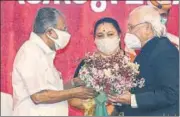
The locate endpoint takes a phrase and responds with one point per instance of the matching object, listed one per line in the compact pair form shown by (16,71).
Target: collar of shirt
(36,39)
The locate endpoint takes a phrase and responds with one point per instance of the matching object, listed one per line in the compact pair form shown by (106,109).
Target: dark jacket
(159,66)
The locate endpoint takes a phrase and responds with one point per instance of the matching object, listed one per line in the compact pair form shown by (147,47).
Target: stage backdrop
(17,20)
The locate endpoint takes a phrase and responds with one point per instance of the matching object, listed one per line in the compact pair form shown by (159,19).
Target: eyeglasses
(130,27)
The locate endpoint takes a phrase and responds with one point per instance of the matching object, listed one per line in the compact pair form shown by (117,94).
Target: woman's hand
(125,98)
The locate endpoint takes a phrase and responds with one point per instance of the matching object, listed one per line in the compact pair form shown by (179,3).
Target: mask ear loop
(47,30)
(120,44)
(124,52)
(50,28)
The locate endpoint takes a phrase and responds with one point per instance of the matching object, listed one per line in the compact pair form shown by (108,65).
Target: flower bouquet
(114,75)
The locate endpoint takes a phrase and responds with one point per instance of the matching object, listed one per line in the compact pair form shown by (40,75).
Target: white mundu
(34,71)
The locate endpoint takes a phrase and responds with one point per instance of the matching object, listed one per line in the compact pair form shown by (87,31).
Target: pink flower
(112,74)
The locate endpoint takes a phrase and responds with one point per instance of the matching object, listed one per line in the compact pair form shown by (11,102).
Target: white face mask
(132,41)
(107,45)
(62,40)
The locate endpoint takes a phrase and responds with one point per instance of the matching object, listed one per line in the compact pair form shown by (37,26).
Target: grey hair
(46,17)
(151,15)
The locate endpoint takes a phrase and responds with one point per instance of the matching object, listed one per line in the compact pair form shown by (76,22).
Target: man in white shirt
(37,85)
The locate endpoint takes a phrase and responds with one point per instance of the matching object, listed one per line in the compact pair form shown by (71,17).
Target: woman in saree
(107,35)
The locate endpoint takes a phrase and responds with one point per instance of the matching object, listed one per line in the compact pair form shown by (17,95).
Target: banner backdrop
(17,19)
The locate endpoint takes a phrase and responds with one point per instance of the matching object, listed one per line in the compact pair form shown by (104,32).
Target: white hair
(150,15)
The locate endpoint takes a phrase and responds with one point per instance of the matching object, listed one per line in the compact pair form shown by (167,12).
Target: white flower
(94,71)
(107,72)
(126,59)
(98,88)
(134,66)
(107,64)
(141,83)
(116,66)
(100,73)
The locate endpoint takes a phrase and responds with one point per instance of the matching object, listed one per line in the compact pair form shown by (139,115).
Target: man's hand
(74,82)
(77,82)
(124,98)
(83,92)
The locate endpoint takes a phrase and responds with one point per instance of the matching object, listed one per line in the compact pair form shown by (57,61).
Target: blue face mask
(163,20)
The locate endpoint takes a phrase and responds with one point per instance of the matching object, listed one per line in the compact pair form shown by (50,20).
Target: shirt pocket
(51,75)
(54,79)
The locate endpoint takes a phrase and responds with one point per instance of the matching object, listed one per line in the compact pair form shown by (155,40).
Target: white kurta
(34,71)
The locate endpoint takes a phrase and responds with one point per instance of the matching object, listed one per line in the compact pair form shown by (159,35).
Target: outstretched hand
(124,98)
(78,82)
